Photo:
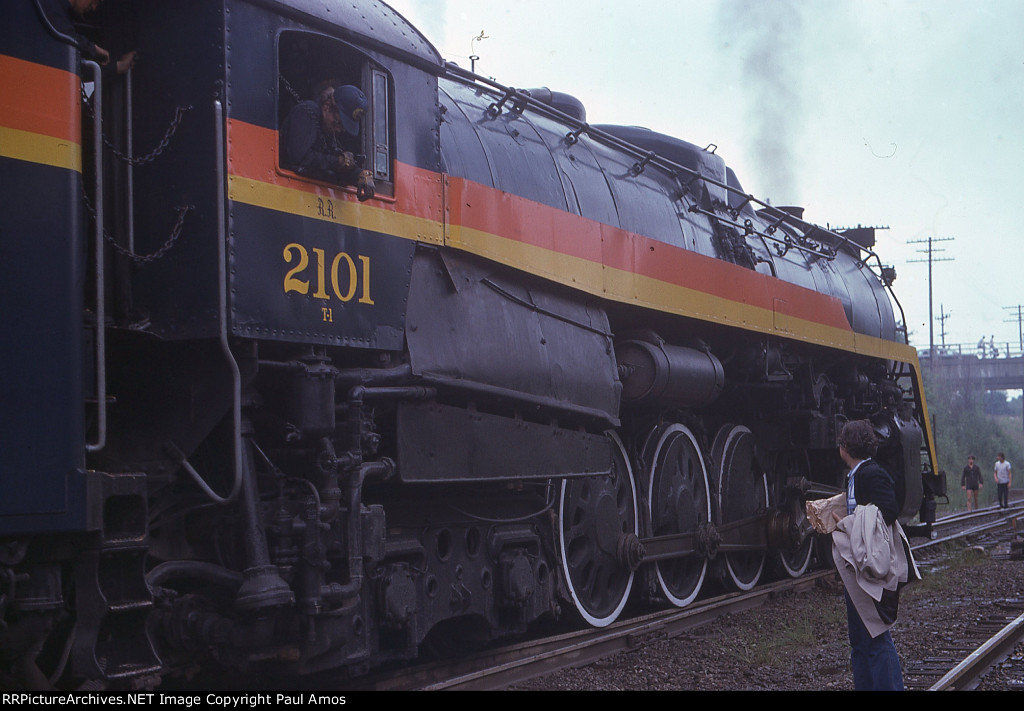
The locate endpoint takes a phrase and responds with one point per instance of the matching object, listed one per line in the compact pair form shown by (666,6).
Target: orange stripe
(253,155)
(40,99)
(488,210)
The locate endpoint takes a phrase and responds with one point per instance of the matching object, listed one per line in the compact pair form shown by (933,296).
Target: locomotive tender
(544,369)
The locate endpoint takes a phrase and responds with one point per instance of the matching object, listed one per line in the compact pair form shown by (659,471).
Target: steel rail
(505,666)
(1004,516)
(968,674)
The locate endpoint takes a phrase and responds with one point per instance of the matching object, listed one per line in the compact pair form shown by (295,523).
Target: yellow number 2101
(350,274)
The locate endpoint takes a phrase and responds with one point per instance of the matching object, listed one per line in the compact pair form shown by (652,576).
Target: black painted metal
(261,309)
(657,374)
(471,322)
(452,444)
(42,247)
(372,24)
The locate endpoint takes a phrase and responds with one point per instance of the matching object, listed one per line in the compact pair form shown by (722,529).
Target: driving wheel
(679,503)
(597,519)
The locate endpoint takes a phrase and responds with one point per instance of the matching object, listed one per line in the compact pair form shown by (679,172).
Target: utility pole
(1019,308)
(1020,331)
(942,319)
(931,259)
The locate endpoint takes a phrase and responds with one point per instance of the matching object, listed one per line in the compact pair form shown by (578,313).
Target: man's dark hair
(323,91)
(858,439)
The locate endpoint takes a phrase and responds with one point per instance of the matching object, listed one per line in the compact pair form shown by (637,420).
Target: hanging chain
(143,258)
(290,89)
(179,113)
(164,248)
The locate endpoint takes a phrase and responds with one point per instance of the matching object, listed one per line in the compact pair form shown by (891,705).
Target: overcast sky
(892,113)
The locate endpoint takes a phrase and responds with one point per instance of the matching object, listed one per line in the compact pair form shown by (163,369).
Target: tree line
(966,421)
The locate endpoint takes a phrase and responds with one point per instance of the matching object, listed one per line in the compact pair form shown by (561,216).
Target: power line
(942,319)
(931,259)
(1020,322)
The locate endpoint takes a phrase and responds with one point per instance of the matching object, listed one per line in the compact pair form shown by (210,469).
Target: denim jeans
(1003,492)
(876,665)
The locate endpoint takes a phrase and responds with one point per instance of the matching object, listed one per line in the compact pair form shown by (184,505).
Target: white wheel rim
(663,584)
(591,618)
(742,585)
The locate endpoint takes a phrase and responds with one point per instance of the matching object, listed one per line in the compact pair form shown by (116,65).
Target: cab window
(334,113)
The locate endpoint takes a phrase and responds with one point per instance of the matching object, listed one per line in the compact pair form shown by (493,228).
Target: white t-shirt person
(1002,471)
(1003,474)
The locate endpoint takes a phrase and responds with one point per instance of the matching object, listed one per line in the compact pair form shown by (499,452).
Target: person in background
(970,482)
(1003,474)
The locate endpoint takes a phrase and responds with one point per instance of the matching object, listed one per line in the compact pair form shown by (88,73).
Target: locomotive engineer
(872,590)
(319,138)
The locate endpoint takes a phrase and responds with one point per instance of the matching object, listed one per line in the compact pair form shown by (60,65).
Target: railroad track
(992,657)
(501,667)
(1002,652)
(967,524)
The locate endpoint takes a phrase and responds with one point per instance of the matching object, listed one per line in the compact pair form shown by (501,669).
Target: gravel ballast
(798,640)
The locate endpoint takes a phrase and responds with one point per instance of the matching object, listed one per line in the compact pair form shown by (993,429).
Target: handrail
(455,72)
(101,313)
(222,307)
(129,165)
(985,350)
(521,100)
(48,24)
(222,315)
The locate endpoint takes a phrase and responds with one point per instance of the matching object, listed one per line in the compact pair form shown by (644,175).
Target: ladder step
(113,600)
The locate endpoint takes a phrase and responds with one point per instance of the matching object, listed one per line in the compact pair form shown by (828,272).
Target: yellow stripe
(36,148)
(340,211)
(630,288)
(592,277)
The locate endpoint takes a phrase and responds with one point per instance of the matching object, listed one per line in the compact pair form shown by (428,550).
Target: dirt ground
(798,641)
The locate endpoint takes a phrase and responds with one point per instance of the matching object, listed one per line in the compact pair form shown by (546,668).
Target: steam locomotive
(542,369)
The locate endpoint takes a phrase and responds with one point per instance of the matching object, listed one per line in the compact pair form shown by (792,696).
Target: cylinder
(660,374)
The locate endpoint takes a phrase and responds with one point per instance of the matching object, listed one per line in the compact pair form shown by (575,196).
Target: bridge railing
(983,349)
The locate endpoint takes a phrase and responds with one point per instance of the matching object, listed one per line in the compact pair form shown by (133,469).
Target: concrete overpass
(999,373)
